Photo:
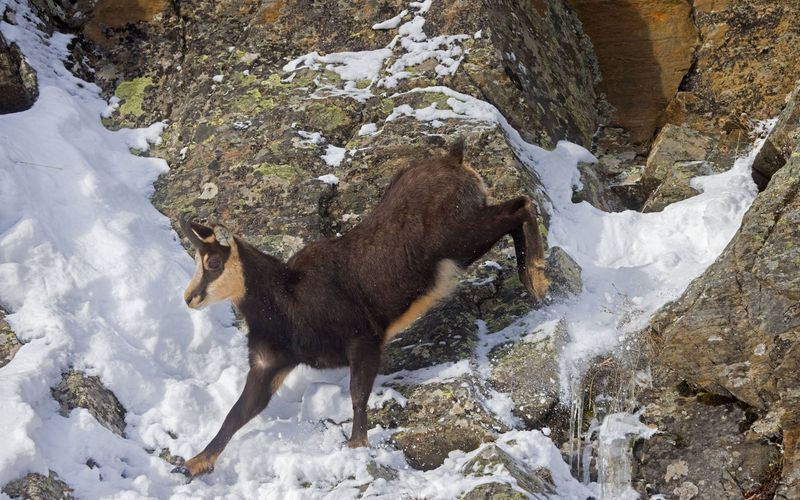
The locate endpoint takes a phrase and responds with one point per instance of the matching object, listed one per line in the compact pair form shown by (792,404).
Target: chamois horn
(186,226)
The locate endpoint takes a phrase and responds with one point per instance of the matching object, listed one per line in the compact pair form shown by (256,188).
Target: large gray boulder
(780,143)
(735,332)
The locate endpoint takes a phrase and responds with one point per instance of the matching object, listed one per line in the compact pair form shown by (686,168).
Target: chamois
(337,301)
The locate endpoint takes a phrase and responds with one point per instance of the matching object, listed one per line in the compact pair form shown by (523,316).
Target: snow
(329,179)
(218,78)
(368,129)
(334,155)
(409,48)
(94,277)
(113,105)
(390,23)
(311,137)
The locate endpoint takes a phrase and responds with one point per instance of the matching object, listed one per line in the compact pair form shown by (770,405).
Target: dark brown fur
(332,303)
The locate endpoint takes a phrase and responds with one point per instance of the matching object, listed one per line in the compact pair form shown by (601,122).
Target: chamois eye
(214,263)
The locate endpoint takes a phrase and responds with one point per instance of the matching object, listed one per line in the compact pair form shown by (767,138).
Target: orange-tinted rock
(748,61)
(644,48)
(118,13)
(711,5)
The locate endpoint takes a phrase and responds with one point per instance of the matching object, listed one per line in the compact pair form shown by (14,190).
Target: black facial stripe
(208,277)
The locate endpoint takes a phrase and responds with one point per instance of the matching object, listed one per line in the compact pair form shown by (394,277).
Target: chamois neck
(266,281)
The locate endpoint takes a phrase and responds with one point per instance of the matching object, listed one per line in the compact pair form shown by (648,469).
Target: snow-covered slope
(94,276)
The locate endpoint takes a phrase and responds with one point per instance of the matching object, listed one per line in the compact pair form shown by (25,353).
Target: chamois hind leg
(364,356)
(263,380)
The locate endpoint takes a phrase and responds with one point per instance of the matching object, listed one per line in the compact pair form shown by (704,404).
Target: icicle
(614,451)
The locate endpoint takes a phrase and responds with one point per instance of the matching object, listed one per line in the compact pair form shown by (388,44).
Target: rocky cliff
(277,129)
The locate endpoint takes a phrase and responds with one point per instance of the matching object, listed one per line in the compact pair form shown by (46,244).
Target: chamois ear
(223,236)
(202,232)
(456,150)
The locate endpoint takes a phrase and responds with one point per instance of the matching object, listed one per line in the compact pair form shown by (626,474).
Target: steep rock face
(109,15)
(215,70)
(547,56)
(644,48)
(736,330)
(747,61)
(741,65)
(777,149)
(700,448)
(18,88)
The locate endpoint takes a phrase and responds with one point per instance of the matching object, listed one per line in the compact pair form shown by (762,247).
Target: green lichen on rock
(509,302)
(302,78)
(273,80)
(386,106)
(77,390)
(390,415)
(131,95)
(282,246)
(9,343)
(326,118)
(354,143)
(282,171)
(328,77)
(252,102)
(425,99)
(39,487)
(246,80)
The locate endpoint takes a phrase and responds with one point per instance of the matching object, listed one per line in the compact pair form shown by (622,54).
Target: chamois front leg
(516,217)
(529,249)
(262,382)
(365,359)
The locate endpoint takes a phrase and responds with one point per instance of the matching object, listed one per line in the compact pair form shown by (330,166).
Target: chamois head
(219,274)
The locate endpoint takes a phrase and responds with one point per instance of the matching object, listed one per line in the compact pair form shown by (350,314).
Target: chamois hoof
(537,282)
(183,471)
(358,443)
